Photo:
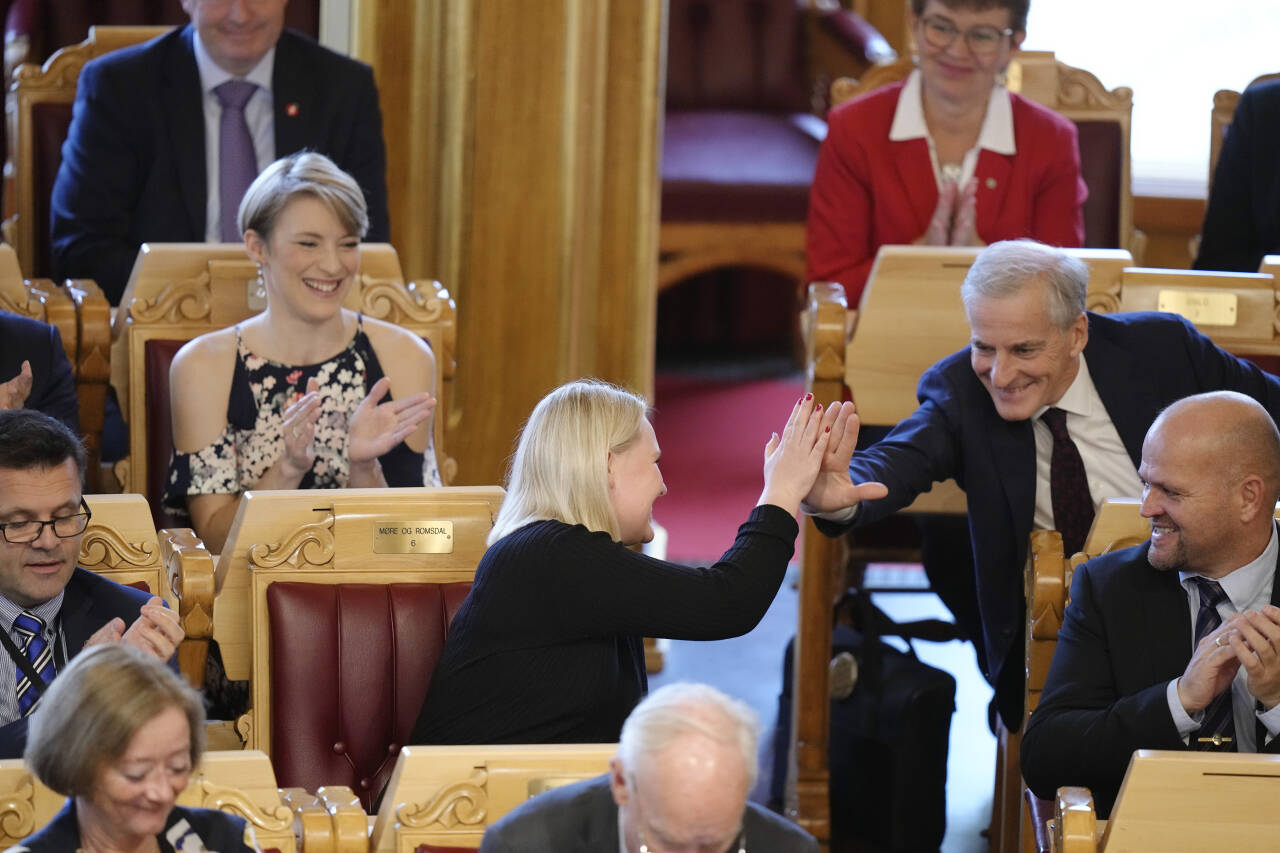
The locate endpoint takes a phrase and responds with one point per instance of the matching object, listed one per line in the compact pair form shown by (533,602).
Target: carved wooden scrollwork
(1079,88)
(103,546)
(388,299)
(17,813)
(463,803)
(1103,301)
(8,303)
(311,544)
(244,727)
(188,299)
(235,801)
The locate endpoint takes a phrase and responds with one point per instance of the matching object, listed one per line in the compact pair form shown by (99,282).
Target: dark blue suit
(1139,363)
(53,388)
(1126,635)
(1242,220)
(215,830)
(90,601)
(583,818)
(133,166)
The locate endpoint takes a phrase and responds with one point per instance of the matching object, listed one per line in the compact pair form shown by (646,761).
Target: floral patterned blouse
(261,390)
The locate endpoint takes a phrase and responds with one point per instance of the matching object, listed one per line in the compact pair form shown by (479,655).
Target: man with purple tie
(166,135)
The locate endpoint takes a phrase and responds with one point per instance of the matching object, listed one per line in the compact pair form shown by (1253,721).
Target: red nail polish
(828,429)
(808,396)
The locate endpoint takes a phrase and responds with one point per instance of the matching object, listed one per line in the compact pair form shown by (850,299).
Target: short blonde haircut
(560,469)
(303,174)
(93,709)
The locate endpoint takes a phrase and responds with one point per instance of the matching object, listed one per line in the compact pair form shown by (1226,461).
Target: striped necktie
(1218,729)
(37,650)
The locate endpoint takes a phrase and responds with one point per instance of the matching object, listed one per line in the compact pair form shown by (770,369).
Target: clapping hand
(954,220)
(1211,669)
(156,631)
(376,427)
(13,394)
(1256,642)
(299,431)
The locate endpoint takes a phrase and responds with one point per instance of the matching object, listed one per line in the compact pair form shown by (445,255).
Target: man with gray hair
(1172,644)
(686,762)
(1039,420)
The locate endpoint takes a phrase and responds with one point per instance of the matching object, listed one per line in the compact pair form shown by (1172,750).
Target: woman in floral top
(298,397)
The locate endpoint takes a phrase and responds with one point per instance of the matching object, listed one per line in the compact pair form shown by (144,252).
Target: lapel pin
(291,110)
(991,182)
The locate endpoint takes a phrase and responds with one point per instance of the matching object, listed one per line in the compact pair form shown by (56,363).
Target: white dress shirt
(1107,465)
(258,114)
(996,134)
(1247,588)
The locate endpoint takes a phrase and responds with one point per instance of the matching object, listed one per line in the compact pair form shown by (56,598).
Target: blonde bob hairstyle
(94,707)
(560,469)
(303,174)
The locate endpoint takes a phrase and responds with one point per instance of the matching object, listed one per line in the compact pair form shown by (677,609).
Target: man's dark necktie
(37,650)
(1218,729)
(1068,485)
(237,162)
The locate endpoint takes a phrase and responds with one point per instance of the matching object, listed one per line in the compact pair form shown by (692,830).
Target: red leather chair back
(158,355)
(736,54)
(1101,155)
(350,667)
(49,123)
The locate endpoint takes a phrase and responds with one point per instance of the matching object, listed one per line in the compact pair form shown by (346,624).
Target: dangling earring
(259,285)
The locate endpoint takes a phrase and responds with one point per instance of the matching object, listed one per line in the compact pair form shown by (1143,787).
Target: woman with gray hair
(307,394)
(547,647)
(119,734)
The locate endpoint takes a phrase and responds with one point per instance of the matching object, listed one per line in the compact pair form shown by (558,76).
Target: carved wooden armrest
(350,823)
(826,329)
(189,567)
(93,370)
(1075,823)
(58,311)
(311,824)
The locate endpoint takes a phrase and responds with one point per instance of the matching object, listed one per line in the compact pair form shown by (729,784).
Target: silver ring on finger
(1217,641)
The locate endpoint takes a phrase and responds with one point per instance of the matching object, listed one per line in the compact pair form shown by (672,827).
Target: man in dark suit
(49,608)
(1172,644)
(141,160)
(1035,353)
(685,764)
(1242,219)
(34,371)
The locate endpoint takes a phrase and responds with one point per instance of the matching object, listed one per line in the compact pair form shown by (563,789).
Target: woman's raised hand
(792,460)
(833,488)
(376,427)
(299,432)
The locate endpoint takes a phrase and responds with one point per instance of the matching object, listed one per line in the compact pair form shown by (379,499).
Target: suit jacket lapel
(183,101)
(1013,450)
(1167,617)
(296,98)
(77,605)
(1129,399)
(911,161)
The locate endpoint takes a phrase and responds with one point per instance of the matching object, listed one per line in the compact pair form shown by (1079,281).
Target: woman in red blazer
(947,157)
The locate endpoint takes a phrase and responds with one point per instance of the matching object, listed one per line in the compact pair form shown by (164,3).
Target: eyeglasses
(941,33)
(64,527)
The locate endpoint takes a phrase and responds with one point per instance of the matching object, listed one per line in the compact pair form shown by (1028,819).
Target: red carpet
(712,434)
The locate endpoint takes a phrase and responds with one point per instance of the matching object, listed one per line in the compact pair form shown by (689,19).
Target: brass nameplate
(1210,308)
(397,536)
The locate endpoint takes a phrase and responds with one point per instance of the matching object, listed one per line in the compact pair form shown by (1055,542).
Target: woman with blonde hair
(119,734)
(306,394)
(547,647)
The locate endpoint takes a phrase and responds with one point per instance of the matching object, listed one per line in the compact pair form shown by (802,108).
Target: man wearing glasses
(49,608)
(686,762)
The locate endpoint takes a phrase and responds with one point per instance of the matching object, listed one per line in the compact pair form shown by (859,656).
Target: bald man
(1172,644)
(685,764)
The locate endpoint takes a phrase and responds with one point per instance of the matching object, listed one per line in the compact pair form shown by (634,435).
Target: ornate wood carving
(1103,301)
(460,803)
(17,812)
(235,801)
(244,727)
(25,308)
(390,300)
(186,300)
(311,544)
(103,546)
(1078,88)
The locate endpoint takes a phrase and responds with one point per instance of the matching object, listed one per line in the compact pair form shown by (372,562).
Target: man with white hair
(685,764)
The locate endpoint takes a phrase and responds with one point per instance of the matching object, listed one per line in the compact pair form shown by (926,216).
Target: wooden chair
(910,317)
(445,796)
(335,605)
(241,783)
(38,107)
(180,290)
(1102,118)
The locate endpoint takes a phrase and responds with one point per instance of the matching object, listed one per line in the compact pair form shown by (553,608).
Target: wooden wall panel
(523,156)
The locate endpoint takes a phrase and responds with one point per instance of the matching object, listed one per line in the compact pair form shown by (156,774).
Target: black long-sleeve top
(548,648)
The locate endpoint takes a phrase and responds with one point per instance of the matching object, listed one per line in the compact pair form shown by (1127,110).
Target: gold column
(522,143)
